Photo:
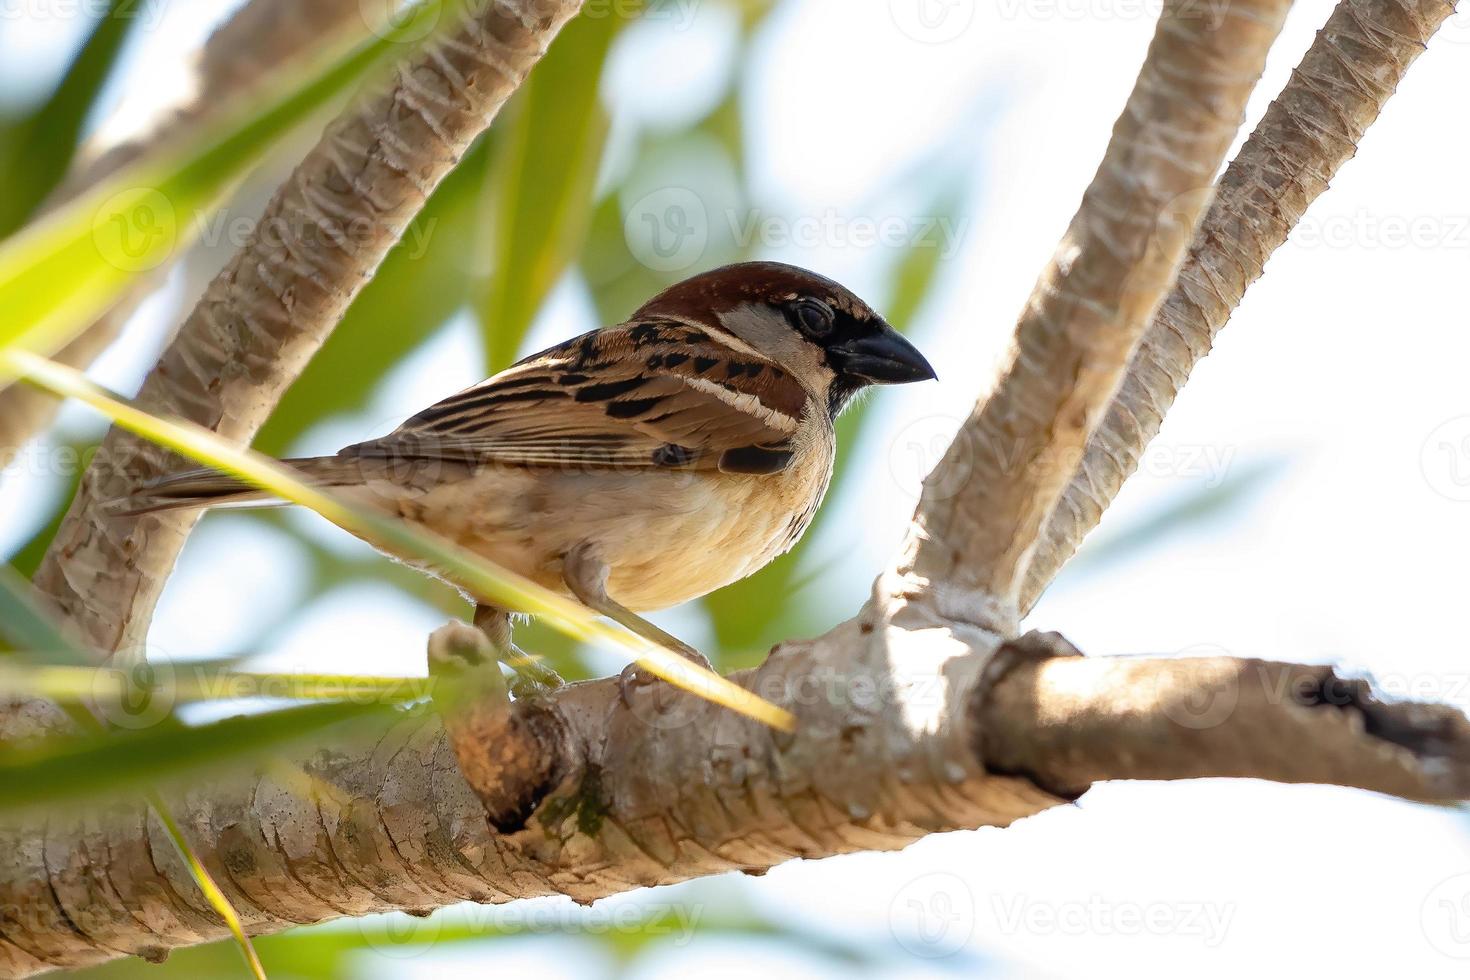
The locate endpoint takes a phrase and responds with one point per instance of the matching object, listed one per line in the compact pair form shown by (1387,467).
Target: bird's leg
(532,676)
(586,577)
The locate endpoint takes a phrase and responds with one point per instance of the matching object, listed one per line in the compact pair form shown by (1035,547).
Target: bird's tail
(210,488)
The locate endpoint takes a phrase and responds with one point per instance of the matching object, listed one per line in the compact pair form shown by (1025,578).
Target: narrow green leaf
(542,176)
(21,620)
(38,148)
(480,576)
(22,625)
(207,885)
(62,271)
(189,682)
(118,760)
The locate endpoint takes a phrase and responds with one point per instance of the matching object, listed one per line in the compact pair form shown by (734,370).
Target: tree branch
(900,734)
(1013,456)
(260,37)
(272,306)
(1311,130)
(1068,721)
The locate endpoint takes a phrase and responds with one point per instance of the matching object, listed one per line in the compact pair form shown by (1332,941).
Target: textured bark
(274,304)
(1310,131)
(891,729)
(1066,722)
(1014,454)
(261,37)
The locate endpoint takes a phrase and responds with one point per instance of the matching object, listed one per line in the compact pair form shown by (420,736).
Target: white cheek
(765,330)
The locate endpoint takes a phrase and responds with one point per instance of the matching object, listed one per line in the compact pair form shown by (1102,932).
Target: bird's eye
(813,318)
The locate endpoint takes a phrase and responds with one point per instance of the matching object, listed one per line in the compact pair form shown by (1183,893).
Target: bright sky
(1347,361)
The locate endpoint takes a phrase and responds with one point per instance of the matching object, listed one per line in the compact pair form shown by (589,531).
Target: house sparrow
(634,467)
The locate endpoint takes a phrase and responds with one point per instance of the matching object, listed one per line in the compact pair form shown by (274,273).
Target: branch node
(511,754)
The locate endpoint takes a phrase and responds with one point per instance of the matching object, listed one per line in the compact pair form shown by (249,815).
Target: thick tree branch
(1013,456)
(273,305)
(1067,722)
(262,36)
(1310,131)
(900,734)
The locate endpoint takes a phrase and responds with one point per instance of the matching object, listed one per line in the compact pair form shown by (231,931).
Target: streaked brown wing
(648,394)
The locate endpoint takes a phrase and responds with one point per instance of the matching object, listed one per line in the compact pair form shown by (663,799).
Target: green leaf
(65,771)
(38,148)
(207,885)
(23,623)
(60,272)
(24,627)
(542,176)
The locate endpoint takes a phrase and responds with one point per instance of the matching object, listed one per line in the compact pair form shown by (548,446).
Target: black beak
(884,358)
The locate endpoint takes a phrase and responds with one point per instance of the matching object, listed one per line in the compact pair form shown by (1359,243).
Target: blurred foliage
(1192,508)
(37,147)
(381,945)
(66,770)
(59,273)
(551,138)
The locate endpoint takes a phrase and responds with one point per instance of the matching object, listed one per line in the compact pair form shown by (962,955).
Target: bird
(634,467)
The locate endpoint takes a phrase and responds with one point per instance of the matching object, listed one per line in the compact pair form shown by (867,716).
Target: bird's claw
(634,678)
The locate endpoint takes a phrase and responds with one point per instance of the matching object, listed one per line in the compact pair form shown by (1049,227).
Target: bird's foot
(635,678)
(533,677)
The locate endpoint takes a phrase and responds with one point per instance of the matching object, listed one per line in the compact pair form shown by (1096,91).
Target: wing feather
(656,393)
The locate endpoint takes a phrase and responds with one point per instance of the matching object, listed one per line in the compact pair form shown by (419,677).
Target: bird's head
(812,326)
